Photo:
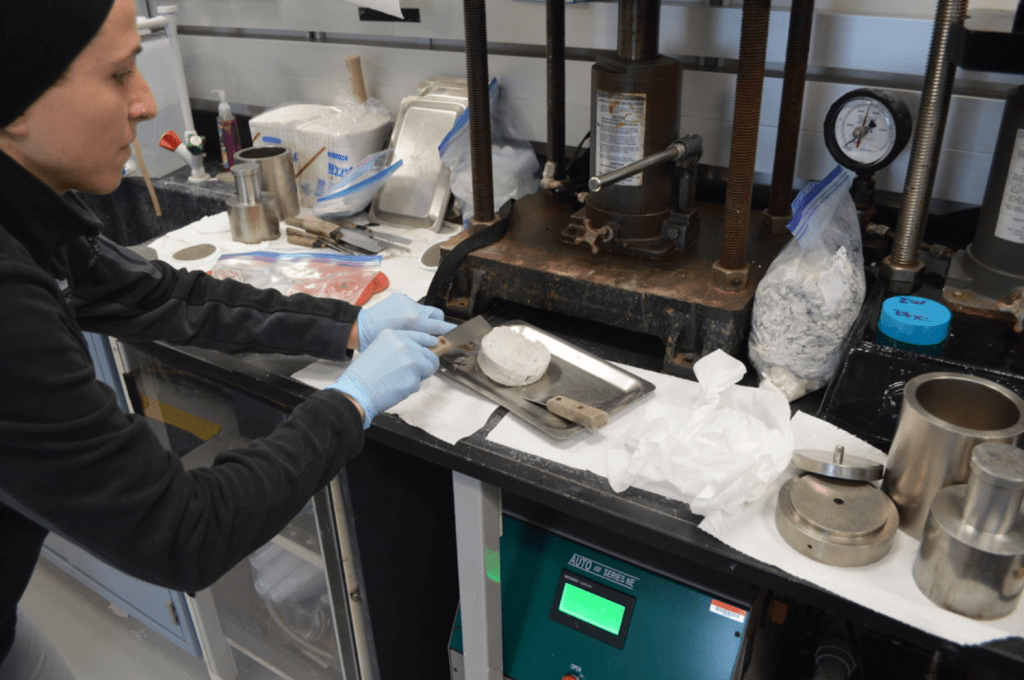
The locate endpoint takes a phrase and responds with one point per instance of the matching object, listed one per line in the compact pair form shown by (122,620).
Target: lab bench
(398,503)
(384,533)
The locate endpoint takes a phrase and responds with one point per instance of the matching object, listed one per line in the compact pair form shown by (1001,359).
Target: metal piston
(252,214)
(971,558)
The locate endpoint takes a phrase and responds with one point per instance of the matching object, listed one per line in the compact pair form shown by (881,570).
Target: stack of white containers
(335,138)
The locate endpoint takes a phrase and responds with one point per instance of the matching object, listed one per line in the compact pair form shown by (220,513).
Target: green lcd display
(591,608)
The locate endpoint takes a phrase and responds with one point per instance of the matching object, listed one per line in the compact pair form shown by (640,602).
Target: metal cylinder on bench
(944,415)
(971,558)
(252,214)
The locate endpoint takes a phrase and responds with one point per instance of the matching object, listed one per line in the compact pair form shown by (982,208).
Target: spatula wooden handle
(442,347)
(313,225)
(298,238)
(582,414)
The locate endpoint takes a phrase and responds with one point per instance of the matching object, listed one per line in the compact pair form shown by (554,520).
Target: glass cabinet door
(283,612)
(275,607)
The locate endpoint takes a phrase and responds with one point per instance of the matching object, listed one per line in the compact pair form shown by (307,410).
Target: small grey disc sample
(824,463)
(196,252)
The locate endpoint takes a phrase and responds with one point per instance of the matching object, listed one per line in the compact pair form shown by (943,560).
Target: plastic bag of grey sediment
(812,293)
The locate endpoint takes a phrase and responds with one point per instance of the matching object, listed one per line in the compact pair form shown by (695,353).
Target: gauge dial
(865,130)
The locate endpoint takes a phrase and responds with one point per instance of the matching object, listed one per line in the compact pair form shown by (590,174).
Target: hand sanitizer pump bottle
(227,130)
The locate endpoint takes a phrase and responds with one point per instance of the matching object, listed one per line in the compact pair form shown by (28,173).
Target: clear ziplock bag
(357,187)
(811,294)
(352,278)
(514,164)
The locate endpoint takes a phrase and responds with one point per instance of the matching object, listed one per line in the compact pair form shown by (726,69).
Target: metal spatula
(476,327)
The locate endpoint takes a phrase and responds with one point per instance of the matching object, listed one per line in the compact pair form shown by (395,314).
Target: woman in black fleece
(70,460)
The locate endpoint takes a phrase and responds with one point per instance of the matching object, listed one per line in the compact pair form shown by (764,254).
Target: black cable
(486,237)
(576,154)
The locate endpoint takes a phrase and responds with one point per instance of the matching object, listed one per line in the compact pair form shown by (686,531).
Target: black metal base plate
(671,298)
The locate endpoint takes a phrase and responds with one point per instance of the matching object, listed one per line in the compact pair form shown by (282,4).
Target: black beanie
(38,41)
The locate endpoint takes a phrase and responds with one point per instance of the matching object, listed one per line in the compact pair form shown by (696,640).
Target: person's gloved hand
(390,369)
(399,313)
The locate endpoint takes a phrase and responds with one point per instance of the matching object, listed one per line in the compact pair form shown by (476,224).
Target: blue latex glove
(399,313)
(390,369)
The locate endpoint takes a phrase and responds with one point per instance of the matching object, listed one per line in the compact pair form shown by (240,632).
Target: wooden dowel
(310,161)
(145,176)
(355,74)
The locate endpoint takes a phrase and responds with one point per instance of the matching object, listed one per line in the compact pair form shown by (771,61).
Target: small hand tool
(368,228)
(386,240)
(301,238)
(351,236)
(588,416)
(475,328)
(348,246)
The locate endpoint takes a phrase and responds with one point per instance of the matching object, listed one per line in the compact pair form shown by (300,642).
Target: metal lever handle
(676,150)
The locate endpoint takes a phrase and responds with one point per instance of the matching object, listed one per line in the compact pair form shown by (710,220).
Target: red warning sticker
(728,611)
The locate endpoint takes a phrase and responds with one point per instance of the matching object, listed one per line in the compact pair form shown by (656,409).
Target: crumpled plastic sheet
(717,456)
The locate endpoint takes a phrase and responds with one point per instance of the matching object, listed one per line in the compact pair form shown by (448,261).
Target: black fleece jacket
(72,462)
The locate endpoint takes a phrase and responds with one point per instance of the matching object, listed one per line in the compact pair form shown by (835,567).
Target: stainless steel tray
(416,195)
(573,373)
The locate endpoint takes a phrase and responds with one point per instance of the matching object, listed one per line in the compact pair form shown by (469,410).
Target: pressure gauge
(866,129)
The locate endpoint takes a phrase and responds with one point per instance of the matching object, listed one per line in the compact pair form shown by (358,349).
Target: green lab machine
(569,611)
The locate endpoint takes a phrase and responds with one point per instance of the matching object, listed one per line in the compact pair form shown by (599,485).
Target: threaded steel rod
(479,110)
(801,18)
(931,124)
(746,117)
(556,85)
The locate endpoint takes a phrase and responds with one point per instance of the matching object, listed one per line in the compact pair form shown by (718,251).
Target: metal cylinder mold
(278,175)
(971,558)
(252,214)
(943,417)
